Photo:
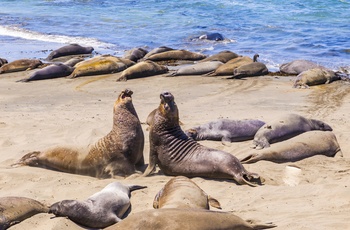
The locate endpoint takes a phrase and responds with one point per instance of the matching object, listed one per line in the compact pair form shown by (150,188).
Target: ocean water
(280,31)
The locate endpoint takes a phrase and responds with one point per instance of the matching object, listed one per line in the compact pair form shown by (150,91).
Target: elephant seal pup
(100,210)
(72,49)
(20,65)
(197,69)
(228,67)
(180,219)
(117,153)
(316,76)
(250,70)
(284,128)
(177,154)
(135,54)
(142,69)
(176,55)
(3,61)
(297,66)
(50,72)
(223,56)
(226,130)
(305,145)
(182,192)
(15,209)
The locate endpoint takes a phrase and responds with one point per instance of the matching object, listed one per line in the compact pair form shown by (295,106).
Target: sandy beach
(313,193)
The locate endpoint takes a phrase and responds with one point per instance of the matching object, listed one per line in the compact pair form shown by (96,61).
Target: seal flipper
(254,225)
(251,158)
(214,202)
(28,159)
(226,141)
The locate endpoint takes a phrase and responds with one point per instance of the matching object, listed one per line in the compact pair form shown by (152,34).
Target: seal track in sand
(91,80)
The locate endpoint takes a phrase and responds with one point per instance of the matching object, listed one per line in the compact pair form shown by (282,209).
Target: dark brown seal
(182,192)
(15,209)
(20,65)
(176,55)
(304,145)
(177,154)
(100,210)
(3,61)
(115,154)
(72,49)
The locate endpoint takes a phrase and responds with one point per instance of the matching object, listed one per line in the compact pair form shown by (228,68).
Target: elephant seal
(302,146)
(228,67)
(20,65)
(250,70)
(100,210)
(177,154)
(223,56)
(72,49)
(197,69)
(316,76)
(297,66)
(285,127)
(73,61)
(212,37)
(176,55)
(142,69)
(15,209)
(135,54)
(3,61)
(226,130)
(117,153)
(180,219)
(157,50)
(52,71)
(182,192)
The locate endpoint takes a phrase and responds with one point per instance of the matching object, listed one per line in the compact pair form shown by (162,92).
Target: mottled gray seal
(180,219)
(250,70)
(285,127)
(297,66)
(117,153)
(226,130)
(49,72)
(177,154)
(72,49)
(197,69)
(20,65)
(100,210)
(135,54)
(15,209)
(142,69)
(223,56)
(304,145)
(316,76)
(176,55)
(228,67)
(182,192)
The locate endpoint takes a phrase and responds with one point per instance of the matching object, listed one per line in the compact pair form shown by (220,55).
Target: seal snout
(126,93)
(166,97)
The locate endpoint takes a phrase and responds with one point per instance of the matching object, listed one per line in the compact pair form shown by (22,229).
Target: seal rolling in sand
(100,210)
(177,154)
(117,153)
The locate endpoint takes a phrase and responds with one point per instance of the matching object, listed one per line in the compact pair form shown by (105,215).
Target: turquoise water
(280,31)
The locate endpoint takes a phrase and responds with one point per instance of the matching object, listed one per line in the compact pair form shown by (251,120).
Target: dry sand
(310,194)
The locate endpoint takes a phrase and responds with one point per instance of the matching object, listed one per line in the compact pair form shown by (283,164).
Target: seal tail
(251,158)
(136,187)
(263,226)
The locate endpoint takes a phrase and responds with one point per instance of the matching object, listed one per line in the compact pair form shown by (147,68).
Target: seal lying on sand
(304,145)
(135,54)
(50,72)
(142,69)
(3,61)
(100,210)
(284,128)
(182,192)
(160,49)
(115,154)
(250,70)
(180,219)
(176,55)
(20,65)
(197,69)
(177,154)
(226,130)
(228,67)
(16,209)
(297,66)
(316,76)
(72,49)
(223,56)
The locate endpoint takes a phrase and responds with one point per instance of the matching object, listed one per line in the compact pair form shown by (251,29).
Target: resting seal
(176,154)
(316,76)
(49,72)
(228,67)
(176,55)
(135,54)
(284,128)
(250,70)
(304,145)
(20,65)
(100,210)
(16,209)
(197,69)
(297,66)
(3,61)
(223,56)
(226,130)
(212,37)
(182,192)
(115,154)
(72,49)
(181,219)
(160,49)
(142,69)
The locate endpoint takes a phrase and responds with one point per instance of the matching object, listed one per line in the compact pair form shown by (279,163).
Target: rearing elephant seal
(304,145)
(100,210)
(182,192)
(115,154)
(284,128)
(176,154)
